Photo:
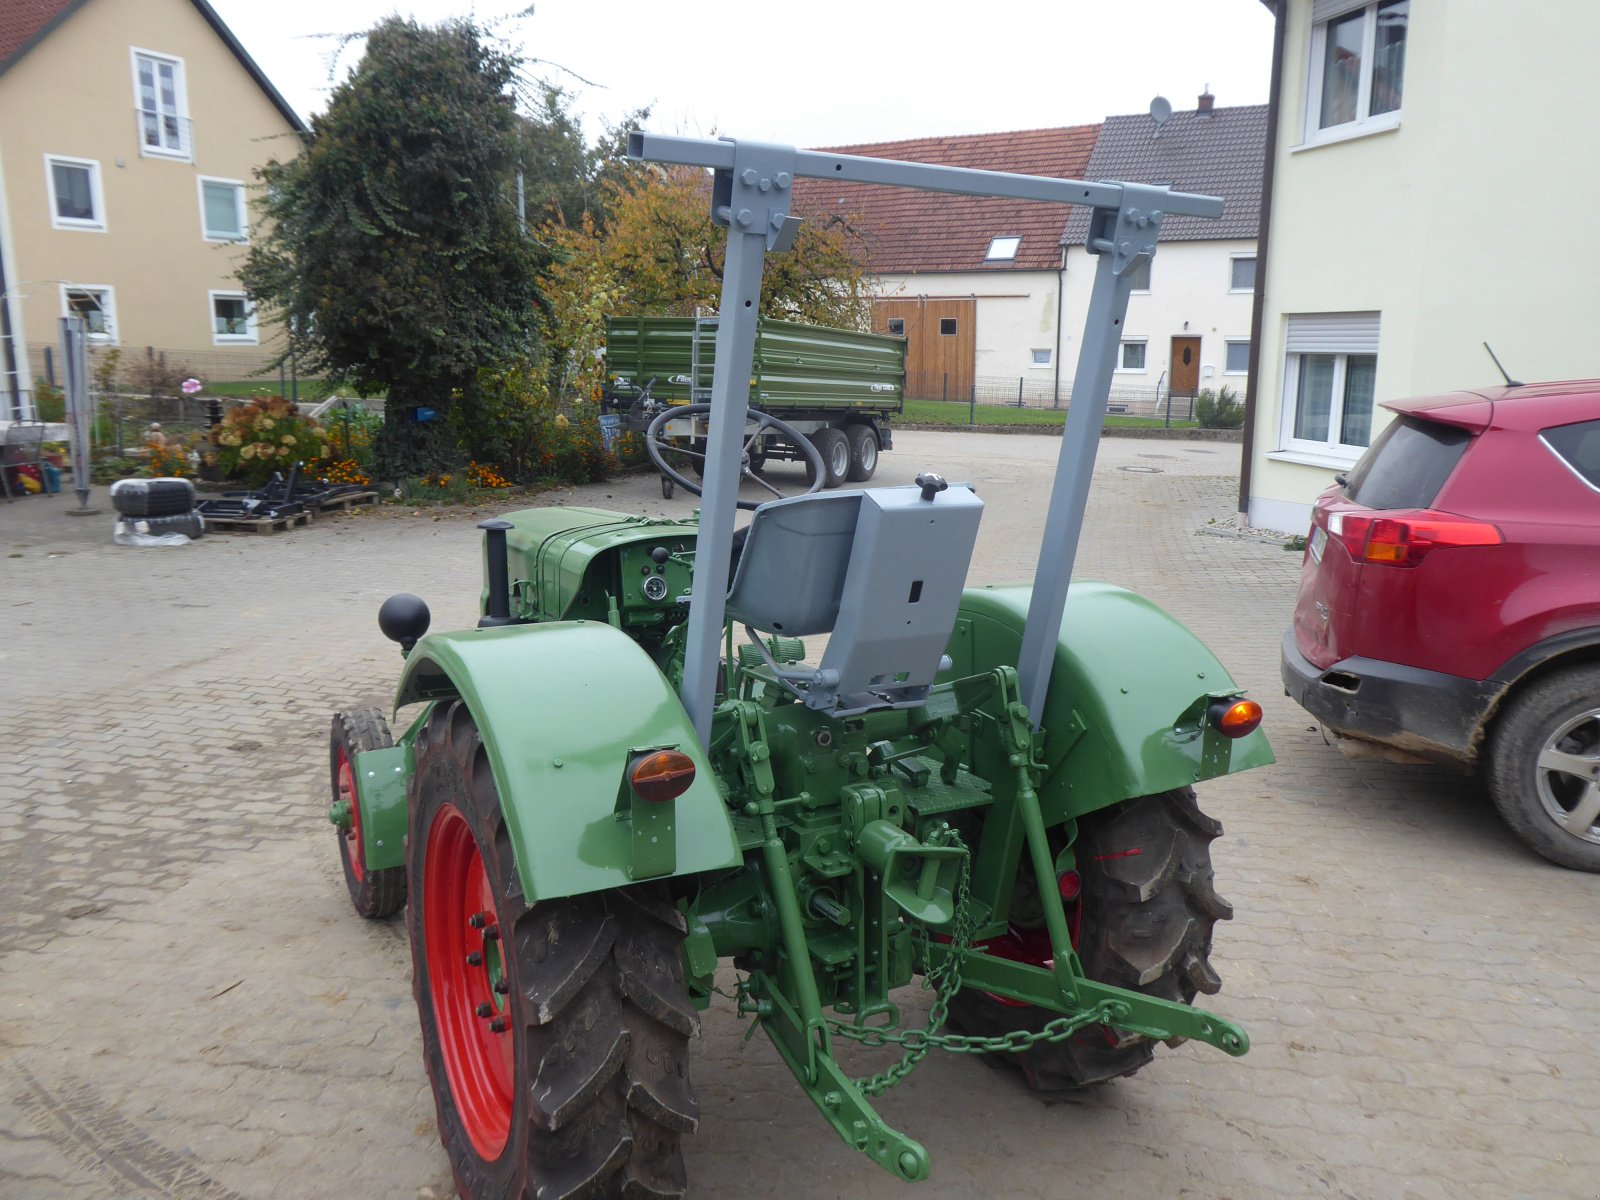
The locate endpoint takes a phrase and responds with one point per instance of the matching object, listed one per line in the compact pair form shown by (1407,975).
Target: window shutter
(1326,10)
(1333,333)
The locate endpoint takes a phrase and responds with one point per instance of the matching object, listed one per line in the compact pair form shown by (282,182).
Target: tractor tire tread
(380,893)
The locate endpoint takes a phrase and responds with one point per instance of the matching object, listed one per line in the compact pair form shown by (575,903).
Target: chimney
(1207,102)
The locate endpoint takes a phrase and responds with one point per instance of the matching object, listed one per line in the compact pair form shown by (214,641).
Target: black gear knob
(931,484)
(404,618)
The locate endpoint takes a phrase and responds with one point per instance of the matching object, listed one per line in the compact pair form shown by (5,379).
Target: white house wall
(1189,297)
(1015,314)
(1465,224)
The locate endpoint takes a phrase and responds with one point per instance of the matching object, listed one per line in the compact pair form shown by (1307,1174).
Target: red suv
(1449,606)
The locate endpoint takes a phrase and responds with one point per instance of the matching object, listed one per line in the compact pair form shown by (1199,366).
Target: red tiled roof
(926,231)
(21,21)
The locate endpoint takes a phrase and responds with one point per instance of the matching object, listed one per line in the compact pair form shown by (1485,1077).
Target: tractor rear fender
(1125,713)
(561,707)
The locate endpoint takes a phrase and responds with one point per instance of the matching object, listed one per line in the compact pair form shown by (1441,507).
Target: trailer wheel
(556,1036)
(1142,916)
(863,441)
(374,893)
(835,450)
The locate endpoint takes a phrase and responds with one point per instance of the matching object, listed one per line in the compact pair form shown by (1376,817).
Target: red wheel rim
(1032,946)
(352,836)
(462,942)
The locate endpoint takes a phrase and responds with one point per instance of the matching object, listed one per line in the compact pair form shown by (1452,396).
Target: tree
(659,254)
(391,247)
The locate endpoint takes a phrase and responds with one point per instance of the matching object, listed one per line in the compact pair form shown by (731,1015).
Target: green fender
(560,707)
(1125,713)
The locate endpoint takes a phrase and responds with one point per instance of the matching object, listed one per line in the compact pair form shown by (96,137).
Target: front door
(1185,366)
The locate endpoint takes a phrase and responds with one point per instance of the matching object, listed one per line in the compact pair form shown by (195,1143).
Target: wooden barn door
(941,343)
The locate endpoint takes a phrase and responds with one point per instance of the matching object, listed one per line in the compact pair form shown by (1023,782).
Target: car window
(1407,465)
(1579,447)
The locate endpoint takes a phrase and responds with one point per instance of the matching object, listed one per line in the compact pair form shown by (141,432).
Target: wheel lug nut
(492,933)
(497,1025)
(477,920)
(485,1009)
(474,959)
(501,986)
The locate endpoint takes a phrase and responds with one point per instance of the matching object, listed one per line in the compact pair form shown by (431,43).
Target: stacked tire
(156,507)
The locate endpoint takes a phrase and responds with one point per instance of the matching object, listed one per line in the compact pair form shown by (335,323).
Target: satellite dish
(1160,110)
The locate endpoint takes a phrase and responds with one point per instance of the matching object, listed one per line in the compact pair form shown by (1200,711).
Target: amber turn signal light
(1234,718)
(661,776)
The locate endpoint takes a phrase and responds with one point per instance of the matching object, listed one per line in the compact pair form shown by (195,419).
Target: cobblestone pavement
(189,1009)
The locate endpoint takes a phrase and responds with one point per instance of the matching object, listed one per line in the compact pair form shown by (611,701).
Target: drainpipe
(1061,295)
(1264,232)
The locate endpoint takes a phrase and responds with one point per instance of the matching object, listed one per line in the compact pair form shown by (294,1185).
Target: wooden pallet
(256,524)
(350,500)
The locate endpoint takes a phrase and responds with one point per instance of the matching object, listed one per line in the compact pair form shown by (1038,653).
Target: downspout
(1263,241)
(1061,295)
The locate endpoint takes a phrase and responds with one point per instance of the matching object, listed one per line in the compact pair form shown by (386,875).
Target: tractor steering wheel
(657,446)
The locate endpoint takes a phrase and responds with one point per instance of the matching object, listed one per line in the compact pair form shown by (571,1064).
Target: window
(1138,274)
(232,319)
(1579,447)
(1238,361)
(1330,377)
(1132,356)
(222,211)
(897,326)
(1003,249)
(1407,465)
(1243,270)
(947,327)
(1358,60)
(1041,358)
(161,105)
(75,200)
(96,305)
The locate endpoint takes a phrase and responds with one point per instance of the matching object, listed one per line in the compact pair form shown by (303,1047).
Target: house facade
(1425,159)
(973,284)
(1188,321)
(129,134)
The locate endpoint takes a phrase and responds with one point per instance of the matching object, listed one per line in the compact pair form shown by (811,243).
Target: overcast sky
(823,72)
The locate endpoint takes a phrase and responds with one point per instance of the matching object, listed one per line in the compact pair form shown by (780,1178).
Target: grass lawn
(945,412)
(311,390)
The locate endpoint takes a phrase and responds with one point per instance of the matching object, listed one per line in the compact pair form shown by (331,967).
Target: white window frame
(108,306)
(1314,134)
(243,209)
(57,221)
(1122,356)
(180,86)
(1227,342)
(1038,363)
(1362,339)
(252,334)
(1015,241)
(1239,291)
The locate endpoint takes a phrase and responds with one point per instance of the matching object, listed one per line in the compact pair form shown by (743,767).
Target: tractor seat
(882,570)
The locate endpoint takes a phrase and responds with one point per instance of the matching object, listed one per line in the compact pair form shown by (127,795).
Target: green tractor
(633,774)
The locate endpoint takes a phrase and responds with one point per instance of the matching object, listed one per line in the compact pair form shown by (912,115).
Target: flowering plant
(266,435)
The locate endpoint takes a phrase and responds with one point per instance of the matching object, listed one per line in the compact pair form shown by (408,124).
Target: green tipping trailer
(838,387)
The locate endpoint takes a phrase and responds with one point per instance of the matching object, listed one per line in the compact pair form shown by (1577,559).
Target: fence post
(972,404)
(944,389)
(49,367)
(1166,422)
(347,429)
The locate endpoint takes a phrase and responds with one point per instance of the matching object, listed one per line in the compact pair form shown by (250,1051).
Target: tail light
(661,776)
(1235,718)
(1403,539)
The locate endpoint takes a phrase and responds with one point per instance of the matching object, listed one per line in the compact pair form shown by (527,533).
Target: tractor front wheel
(556,1035)
(1141,909)
(374,893)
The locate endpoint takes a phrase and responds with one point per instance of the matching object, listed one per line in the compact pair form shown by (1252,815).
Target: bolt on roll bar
(752,186)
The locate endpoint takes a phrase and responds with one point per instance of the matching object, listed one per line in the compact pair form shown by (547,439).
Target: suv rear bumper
(1426,713)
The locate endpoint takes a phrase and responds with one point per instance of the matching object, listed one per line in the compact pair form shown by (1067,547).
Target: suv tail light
(1403,539)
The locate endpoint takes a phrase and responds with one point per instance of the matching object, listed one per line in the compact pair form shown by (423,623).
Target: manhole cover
(1138,470)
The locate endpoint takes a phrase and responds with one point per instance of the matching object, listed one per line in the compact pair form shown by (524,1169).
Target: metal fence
(1156,401)
(158,371)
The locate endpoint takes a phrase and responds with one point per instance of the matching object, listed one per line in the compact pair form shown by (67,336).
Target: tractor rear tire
(1146,912)
(558,1051)
(374,893)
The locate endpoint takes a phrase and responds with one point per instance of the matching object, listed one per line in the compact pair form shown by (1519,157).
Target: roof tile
(23,20)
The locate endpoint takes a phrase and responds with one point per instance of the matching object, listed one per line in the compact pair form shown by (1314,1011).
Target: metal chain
(946,981)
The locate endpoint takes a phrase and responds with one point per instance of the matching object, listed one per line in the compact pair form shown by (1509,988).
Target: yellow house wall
(1465,224)
(73,95)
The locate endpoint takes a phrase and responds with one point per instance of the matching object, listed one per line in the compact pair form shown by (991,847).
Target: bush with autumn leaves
(267,434)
